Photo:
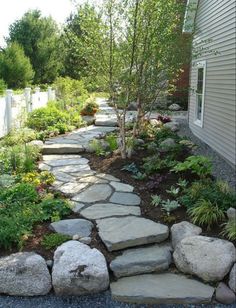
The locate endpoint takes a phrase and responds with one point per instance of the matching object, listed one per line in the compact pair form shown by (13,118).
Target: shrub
(19,136)
(42,118)
(155,163)
(37,178)
(55,209)
(111,139)
(164,133)
(96,146)
(54,240)
(18,158)
(206,213)
(208,190)
(70,90)
(199,165)
(19,193)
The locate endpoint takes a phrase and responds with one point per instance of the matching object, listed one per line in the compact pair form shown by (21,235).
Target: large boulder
(182,230)
(224,294)
(173,126)
(79,270)
(206,257)
(24,274)
(174,107)
(232,279)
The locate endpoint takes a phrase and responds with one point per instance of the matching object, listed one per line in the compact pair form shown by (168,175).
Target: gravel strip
(101,300)
(221,169)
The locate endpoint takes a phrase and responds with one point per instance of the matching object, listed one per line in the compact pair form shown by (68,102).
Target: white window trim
(200,64)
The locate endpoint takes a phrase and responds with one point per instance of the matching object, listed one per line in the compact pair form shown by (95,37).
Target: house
(212,102)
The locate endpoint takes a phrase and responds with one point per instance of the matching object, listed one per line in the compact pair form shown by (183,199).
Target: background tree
(15,67)
(40,38)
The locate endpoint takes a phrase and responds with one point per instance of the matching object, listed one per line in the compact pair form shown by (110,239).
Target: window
(200,93)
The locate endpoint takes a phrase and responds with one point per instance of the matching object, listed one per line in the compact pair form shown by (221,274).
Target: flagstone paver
(70,227)
(125,198)
(103,210)
(95,193)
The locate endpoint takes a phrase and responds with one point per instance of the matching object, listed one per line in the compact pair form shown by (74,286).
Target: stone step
(62,149)
(156,258)
(131,231)
(164,288)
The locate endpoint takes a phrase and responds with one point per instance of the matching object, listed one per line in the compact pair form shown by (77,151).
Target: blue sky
(10,10)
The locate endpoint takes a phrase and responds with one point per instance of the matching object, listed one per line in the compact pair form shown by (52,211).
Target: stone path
(114,209)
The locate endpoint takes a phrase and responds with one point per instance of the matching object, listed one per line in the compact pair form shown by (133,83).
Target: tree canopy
(40,39)
(15,67)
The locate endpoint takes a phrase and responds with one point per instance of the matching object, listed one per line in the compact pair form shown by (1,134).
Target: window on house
(200,93)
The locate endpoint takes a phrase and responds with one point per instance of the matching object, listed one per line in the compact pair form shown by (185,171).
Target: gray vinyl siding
(215,21)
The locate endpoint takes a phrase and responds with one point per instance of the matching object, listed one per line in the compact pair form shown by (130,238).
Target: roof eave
(189,18)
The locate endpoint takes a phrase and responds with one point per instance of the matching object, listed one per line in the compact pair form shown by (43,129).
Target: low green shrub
(19,193)
(90,107)
(155,163)
(55,209)
(200,165)
(111,139)
(54,240)
(18,159)
(211,191)
(19,136)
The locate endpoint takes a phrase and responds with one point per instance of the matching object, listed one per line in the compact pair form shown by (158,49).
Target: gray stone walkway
(114,209)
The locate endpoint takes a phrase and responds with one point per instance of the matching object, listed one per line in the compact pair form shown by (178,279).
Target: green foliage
(52,241)
(40,39)
(173,191)
(210,191)
(230,230)
(205,213)
(18,158)
(164,133)
(156,200)
(155,163)
(182,183)
(42,118)
(199,165)
(131,168)
(166,205)
(170,206)
(6,181)
(96,146)
(70,91)
(3,85)
(15,67)
(19,194)
(19,136)
(111,139)
(55,209)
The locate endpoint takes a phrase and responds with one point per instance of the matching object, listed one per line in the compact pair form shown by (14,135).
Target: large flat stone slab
(62,148)
(93,180)
(63,177)
(145,260)
(95,193)
(71,227)
(125,198)
(104,210)
(124,232)
(161,289)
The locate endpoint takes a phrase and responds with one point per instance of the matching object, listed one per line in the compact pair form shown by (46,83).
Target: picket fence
(14,107)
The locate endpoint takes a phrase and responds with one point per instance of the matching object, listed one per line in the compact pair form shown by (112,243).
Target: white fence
(13,108)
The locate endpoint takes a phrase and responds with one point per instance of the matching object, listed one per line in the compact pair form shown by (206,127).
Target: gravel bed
(221,169)
(101,300)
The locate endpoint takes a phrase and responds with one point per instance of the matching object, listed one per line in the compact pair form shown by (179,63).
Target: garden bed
(113,164)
